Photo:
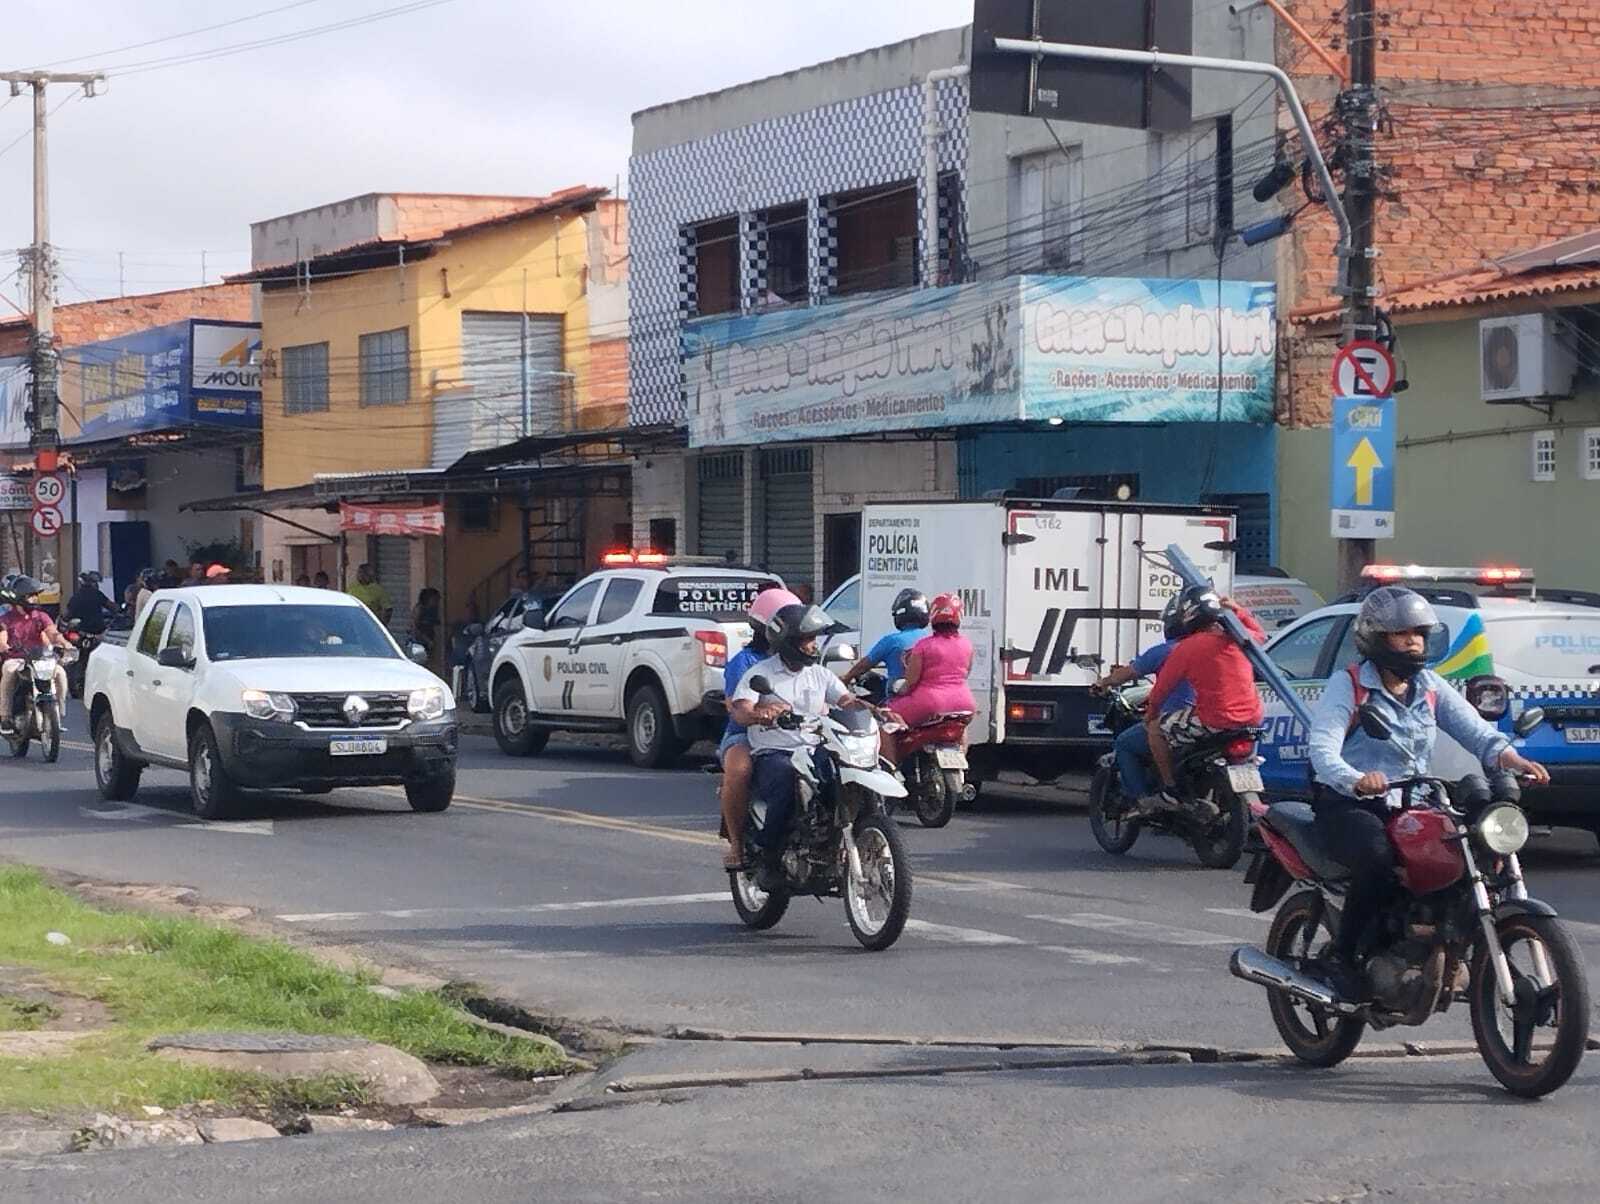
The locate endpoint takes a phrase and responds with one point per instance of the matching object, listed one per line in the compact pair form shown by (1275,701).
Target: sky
(491,96)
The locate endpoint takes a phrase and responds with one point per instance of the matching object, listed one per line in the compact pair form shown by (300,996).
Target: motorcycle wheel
(1220,845)
(50,732)
(878,903)
(1508,1038)
(1113,833)
(936,801)
(1315,1036)
(758,909)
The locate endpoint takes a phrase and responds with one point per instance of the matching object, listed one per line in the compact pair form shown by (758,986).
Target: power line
(173,37)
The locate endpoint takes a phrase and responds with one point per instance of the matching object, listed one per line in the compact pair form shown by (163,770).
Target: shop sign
(391,520)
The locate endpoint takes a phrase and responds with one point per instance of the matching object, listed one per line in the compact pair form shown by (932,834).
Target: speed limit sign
(46,521)
(48,490)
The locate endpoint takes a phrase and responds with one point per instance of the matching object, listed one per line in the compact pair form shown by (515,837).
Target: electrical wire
(173,37)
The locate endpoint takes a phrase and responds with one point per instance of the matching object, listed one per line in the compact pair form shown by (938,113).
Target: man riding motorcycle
(1132,747)
(910,614)
(22,627)
(1352,771)
(89,605)
(799,683)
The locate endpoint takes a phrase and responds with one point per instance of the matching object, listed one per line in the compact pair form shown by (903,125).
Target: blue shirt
(1340,756)
(1148,663)
(738,666)
(890,651)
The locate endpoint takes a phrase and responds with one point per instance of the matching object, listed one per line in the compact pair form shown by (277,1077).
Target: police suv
(632,648)
(1509,645)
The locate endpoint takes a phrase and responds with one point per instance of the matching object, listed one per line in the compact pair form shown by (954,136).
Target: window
(1188,173)
(181,636)
(1544,455)
(305,378)
(716,597)
(1589,451)
(664,535)
(294,630)
(785,279)
(1300,653)
(386,368)
(150,634)
(479,512)
(1346,653)
(1046,206)
(844,607)
(621,594)
(876,235)
(574,611)
(715,247)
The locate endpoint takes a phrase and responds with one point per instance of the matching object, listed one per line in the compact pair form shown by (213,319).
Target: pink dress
(942,688)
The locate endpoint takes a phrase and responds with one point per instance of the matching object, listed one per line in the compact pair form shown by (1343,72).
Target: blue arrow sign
(1362,471)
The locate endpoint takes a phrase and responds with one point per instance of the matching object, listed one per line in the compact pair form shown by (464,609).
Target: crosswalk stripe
(1144,930)
(960,936)
(409,913)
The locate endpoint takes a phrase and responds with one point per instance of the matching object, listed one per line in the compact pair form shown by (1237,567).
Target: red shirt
(24,628)
(1224,683)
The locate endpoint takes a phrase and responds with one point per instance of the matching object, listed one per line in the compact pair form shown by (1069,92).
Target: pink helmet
(768,603)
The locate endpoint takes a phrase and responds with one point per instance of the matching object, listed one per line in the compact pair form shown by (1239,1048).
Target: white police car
(1510,645)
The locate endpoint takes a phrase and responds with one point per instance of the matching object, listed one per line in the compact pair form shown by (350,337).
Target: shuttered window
(305,378)
(386,368)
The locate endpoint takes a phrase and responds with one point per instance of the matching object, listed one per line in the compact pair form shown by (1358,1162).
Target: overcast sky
(494,96)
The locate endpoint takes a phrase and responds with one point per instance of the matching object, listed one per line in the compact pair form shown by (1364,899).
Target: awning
(616,442)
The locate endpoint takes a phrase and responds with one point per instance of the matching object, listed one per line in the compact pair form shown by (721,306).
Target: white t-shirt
(811,691)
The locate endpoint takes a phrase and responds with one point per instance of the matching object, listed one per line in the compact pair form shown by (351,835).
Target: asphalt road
(580,886)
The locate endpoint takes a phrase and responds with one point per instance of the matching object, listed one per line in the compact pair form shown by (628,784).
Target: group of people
(927,651)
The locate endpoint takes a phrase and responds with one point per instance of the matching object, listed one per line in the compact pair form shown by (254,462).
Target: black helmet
(19,588)
(1391,608)
(1198,607)
(793,626)
(1170,627)
(91,578)
(910,609)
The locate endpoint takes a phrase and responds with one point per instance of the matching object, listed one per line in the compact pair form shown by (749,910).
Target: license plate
(1583,735)
(364,747)
(1244,777)
(950,758)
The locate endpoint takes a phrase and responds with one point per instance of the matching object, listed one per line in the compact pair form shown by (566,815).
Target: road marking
(1093,957)
(1143,930)
(408,913)
(960,936)
(1242,913)
(139,813)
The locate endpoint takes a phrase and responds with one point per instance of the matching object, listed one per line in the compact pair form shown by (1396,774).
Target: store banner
(16,493)
(14,378)
(391,520)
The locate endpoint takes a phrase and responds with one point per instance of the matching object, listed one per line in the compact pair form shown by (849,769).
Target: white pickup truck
(264,687)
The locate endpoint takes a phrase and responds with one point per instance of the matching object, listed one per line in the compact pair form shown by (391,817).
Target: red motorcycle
(1461,929)
(932,758)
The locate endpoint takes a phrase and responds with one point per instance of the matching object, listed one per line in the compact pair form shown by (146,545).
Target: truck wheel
(652,744)
(115,775)
(513,728)
(432,794)
(473,695)
(212,791)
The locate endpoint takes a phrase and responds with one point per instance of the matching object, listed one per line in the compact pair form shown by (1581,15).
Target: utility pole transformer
(43,416)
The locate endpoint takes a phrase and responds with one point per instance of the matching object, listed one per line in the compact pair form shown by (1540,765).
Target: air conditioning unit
(1524,358)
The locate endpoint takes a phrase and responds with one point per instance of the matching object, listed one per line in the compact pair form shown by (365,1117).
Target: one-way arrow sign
(1363,467)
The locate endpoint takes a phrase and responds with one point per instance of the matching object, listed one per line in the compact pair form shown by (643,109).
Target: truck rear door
(1148,583)
(1060,582)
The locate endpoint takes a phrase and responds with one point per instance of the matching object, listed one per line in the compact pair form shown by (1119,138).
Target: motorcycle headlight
(1503,829)
(426,703)
(259,704)
(860,750)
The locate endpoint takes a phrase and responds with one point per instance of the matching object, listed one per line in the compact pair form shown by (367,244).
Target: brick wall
(91,321)
(1494,148)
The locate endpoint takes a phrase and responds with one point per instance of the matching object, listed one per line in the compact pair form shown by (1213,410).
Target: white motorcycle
(35,710)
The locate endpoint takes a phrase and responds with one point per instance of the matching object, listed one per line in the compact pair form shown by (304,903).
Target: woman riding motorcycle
(1352,770)
(936,671)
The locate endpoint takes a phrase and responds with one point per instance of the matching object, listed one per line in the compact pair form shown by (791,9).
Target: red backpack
(1361,693)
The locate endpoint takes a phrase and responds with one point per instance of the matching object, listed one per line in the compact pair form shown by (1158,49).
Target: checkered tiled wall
(808,156)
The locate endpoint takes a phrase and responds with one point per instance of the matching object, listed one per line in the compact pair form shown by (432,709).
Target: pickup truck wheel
(513,728)
(473,695)
(115,775)
(652,744)
(432,794)
(210,788)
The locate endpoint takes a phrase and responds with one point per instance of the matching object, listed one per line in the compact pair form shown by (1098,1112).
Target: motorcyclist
(799,683)
(936,671)
(909,610)
(1132,746)
(88,605)
(1352,771)
(23,626)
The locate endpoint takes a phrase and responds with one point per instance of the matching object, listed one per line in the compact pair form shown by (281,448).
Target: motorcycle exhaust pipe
(1252,965)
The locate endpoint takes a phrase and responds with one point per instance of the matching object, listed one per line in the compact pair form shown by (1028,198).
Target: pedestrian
(425,619)
(369,591)
(218,574)
(320,581)
(803,591)
(197,574)
(171,575)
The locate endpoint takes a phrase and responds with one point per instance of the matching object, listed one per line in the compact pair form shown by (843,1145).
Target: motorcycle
(1462,929)
(933,758)
(1219,779)
(841,840)
(35,710)
(83,642)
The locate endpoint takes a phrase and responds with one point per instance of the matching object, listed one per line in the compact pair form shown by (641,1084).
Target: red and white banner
(391,520)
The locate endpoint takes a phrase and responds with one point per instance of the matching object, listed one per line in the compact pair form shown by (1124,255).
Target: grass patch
(23,1015)
(162,976)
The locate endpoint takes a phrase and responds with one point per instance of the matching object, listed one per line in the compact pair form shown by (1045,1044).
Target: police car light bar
(1483,575)
(617,559)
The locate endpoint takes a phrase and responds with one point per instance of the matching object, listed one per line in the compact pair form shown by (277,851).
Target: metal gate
(391,560)
(720,511)
(787,539)
(492,365)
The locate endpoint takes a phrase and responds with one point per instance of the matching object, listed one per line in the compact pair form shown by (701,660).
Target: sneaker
(1161,800)
(769,878)
(1338,972)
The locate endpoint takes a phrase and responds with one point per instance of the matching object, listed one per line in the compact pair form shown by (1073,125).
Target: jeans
(1133,761)
(774,782)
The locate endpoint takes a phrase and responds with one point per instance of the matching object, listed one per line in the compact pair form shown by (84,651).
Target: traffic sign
(46,521)
(48,490)
(1363,467)
(1363,369)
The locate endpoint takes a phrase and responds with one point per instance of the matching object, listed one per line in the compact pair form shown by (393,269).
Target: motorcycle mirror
(839,654)
(899,686)
(472,630)
(1374,724)
(1528,721)
(418,653)
(760,684)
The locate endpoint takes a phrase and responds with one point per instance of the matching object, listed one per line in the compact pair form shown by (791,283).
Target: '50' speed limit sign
(48,490)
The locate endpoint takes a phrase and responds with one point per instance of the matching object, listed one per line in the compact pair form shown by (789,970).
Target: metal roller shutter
(392,560)
(720,514)
(491,363)
(788,541)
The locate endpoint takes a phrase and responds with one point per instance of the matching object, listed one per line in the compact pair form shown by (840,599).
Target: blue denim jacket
(1339,760)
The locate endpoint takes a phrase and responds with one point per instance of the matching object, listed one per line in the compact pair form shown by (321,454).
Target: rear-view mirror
(760,684)
(1527,722)
(174,658)
(472,630)
(898,686)
(839,654)
(533,619)
(1373,724)
(417,652)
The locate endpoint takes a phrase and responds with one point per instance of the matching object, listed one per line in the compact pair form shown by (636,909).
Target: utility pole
(43,417)
(1358,112)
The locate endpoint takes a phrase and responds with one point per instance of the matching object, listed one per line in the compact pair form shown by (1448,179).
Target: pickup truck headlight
(426,703)
(259,704)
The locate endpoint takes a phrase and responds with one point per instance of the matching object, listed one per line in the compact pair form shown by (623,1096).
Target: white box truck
(1046,586)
